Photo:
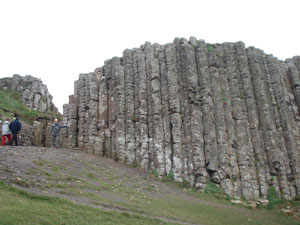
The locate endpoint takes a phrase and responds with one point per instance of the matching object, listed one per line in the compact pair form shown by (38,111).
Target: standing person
(55,133)
(6,132)
(15,127)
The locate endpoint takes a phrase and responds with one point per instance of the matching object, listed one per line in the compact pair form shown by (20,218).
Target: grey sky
(59,39)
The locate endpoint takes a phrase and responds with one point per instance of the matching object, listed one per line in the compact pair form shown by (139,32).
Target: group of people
(11,128)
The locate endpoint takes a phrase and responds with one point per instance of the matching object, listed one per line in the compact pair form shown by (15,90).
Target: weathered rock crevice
(199,112)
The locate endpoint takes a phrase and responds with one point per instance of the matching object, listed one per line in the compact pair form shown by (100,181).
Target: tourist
(15,127)
(6,132)
(55,133)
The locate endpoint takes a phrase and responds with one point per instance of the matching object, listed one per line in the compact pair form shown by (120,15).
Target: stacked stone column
(198,112)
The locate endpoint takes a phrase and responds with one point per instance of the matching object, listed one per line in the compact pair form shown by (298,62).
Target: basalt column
(195,112)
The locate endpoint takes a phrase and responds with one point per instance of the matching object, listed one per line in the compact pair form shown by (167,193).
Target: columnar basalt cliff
(222,113)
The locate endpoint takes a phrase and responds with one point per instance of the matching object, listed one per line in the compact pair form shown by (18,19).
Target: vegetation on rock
(10,106)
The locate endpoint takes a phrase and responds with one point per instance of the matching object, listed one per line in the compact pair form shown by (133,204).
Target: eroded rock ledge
(221,113)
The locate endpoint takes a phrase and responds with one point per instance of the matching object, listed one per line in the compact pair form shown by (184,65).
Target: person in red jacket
(5,132)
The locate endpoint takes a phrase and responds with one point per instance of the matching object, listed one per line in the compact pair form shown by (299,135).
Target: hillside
(101,191)
(28,98)
(11,105)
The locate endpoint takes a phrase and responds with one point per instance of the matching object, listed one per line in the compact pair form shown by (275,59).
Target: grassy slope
(19,207)
(203,213)
(9,103)
(168,206)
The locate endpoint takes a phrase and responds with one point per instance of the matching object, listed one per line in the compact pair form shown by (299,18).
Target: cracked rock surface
(201,112)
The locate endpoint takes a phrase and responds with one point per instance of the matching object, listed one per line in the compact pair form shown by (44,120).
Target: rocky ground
(82,178)
(100,182)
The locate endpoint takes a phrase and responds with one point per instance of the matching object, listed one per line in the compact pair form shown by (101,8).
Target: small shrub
(54,168)
(22,183)
(150,188)
(70,178)
(41,162)
(135,164)
(210,47)
(297,198)
(171,175)
(43,98)
(273,199)
(168,177)
(212,188)
(227,197)
(91,175)
(186,184)
(154,172)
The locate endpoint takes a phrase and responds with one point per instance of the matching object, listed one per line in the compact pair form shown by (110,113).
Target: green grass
(273,199)
(10,104)
(91,175)
(51,165)
(206,211)
(137,195)
(168,177)
(212,188)
(154,172)
(210,47)
(214,209)
(209,213)
(21,208)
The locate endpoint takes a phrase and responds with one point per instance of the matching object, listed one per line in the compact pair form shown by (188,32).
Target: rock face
(222,113)
(35,96)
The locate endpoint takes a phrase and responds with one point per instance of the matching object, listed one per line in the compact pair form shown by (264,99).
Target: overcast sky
(56,40)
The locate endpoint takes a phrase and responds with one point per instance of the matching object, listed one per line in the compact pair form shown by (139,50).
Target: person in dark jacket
(55,133)
(15,126)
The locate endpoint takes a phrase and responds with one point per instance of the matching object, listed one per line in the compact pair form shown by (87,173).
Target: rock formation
(201,112)
(35,96)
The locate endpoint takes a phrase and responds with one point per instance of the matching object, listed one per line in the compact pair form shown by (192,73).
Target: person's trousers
(3,139)
(14,139)
(55,141)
